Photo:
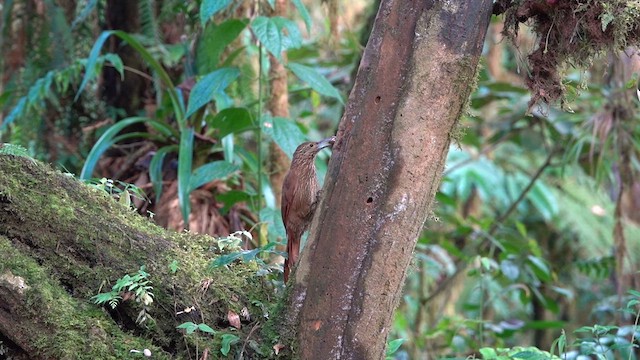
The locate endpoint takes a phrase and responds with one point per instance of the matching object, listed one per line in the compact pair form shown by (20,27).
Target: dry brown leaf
(233,319)
(277,347)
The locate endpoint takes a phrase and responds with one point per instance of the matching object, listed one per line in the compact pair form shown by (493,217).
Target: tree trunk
(417,72)
(62,242)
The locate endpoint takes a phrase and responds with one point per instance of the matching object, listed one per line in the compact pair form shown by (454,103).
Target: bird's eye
(310,145)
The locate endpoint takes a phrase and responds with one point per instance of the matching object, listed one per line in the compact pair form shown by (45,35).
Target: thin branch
(524,193)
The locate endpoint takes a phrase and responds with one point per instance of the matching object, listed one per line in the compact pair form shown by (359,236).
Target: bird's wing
(287,197)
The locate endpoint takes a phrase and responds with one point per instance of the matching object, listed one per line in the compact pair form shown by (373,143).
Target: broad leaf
(269,35)
(317,82)
(227,341)
(304,13)
(212,171)
(231,120)
(213,42)
(275,227)
(208,8)
(284,132)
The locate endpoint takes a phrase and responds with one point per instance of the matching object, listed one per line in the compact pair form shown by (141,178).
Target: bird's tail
(293,250)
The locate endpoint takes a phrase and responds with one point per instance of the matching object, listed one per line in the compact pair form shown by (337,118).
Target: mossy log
(62,242)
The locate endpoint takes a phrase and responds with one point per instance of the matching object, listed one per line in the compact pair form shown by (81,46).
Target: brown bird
(300,196)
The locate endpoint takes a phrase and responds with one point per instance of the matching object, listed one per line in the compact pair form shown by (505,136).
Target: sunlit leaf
(291,37)
(208,8)
(394,345)
(269,35)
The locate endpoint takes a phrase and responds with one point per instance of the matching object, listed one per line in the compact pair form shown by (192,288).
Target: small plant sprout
(136,286)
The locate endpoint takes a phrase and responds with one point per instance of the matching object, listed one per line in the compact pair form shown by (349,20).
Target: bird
(300,196)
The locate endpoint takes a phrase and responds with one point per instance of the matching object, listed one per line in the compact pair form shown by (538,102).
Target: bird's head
(309,149)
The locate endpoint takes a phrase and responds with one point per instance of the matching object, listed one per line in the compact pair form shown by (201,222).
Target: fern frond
(52,83)
(148,22)
(13,149)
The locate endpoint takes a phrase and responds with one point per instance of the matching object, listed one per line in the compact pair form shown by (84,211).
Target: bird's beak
(328,142)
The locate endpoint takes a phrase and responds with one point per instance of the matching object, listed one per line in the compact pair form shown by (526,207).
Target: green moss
(86,240)
(65,321)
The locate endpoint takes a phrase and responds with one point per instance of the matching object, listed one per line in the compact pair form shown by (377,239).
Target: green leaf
(394,345)
(106,140)
(209,86)
(315,80)
(185,159)
(284,132)
(228,144)
(269,35)
(529,355)
(245,255)
(206,328)
(232,197)
(539,268)
(149,60)
(291,39)
(155,168)
(86,11)
(6,95)
(174,266)
(227,341)
(231,120)
(635,293)
(540,324)
(488,353)
(214,40)
(15,112)
(543,200)
(226,259)
(90,68)
(212,171)
(275,227)
(116,61)
(14,149)
(208,8)
(509,269)
(188,326)
(304,13)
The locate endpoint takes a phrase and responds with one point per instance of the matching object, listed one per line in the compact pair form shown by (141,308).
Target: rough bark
(61,242)
(413,82)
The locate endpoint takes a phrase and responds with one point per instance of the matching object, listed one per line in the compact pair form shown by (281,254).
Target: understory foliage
(531,243)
